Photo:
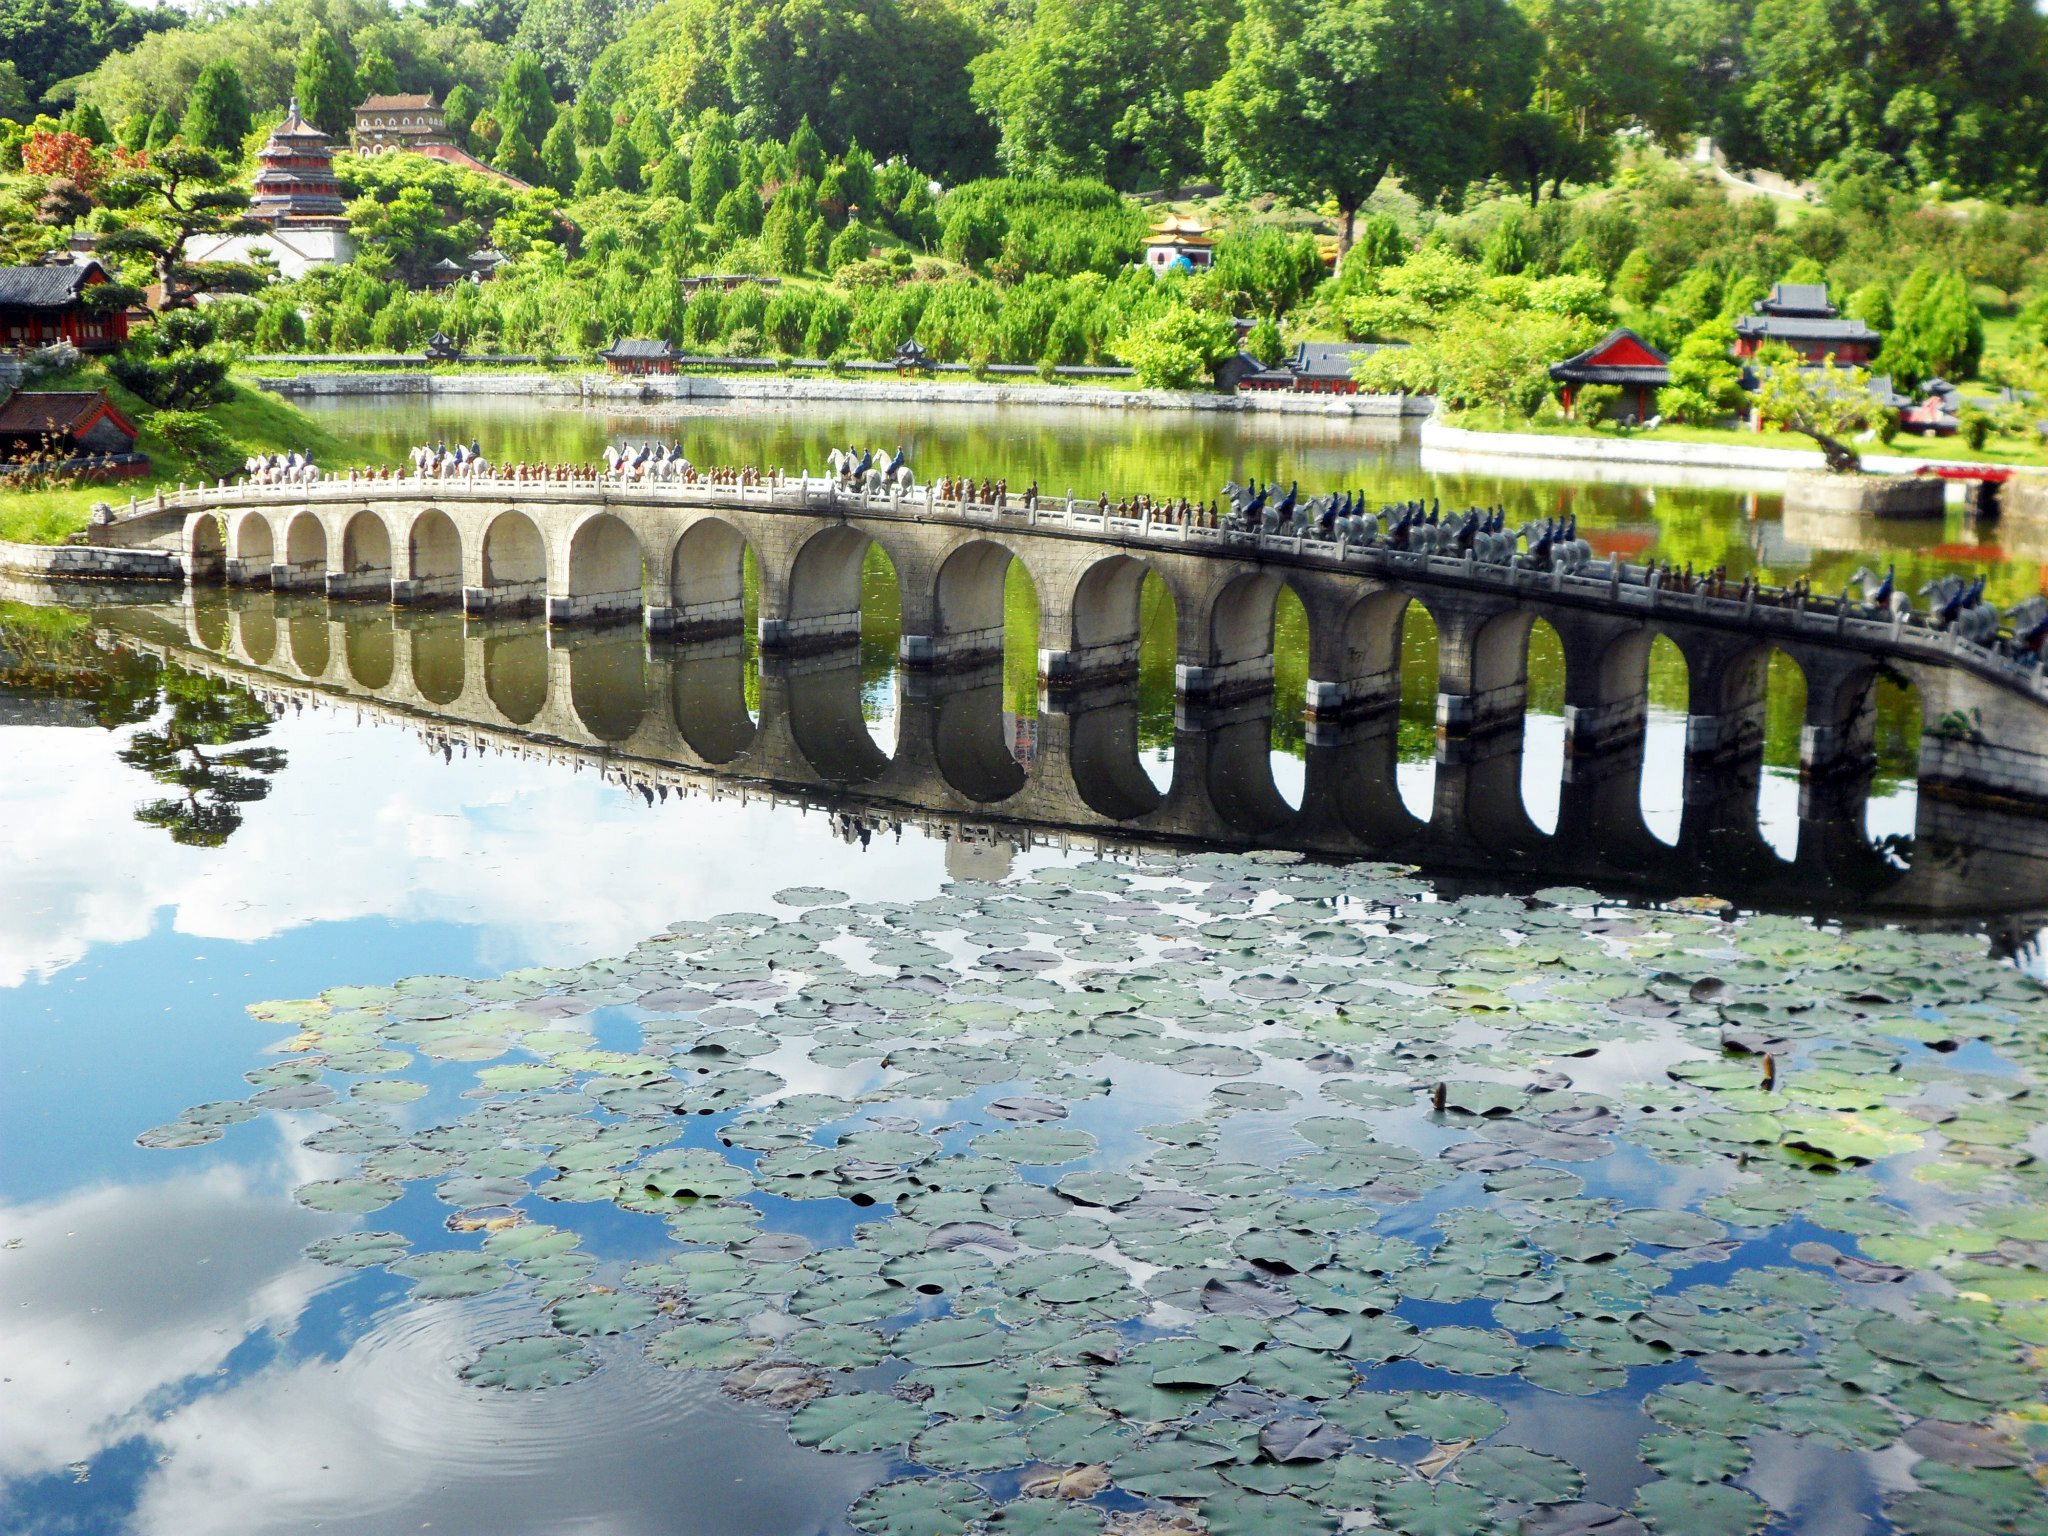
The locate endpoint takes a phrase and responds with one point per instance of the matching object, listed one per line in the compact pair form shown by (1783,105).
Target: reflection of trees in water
(196,730)
(199,749)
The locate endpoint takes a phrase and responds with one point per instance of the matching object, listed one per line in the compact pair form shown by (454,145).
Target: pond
(567,1120)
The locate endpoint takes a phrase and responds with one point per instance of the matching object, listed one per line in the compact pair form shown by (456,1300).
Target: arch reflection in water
(954,766)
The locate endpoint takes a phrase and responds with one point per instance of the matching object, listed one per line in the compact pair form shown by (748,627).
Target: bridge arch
(822,594)
(606,571)
(971,596)
(608,682)
(516,674)
(707,579)
(365,545)
(207,557)
(305,549)
(433,553)
(312,645)
(439,661)
(370,649)
(515,562)
(256,632)
(255,546)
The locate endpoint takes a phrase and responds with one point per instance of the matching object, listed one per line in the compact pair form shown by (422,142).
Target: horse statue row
(1482,533)
(440,462)
(655,461)
(873,470)
(292,468)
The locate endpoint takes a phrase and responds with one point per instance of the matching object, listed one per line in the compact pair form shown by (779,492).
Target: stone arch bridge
(664,716)
(585,550)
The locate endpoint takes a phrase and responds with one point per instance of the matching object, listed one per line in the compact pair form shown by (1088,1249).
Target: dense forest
(1496,180)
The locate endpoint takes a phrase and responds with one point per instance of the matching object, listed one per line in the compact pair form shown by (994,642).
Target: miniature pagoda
(297,194)
(295,183)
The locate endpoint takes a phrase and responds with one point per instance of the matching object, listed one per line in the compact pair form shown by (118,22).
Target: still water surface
(176,847)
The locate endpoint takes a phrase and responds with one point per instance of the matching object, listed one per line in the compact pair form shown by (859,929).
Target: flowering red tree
(67,155)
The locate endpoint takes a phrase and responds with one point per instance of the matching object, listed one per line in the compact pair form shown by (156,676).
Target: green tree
(1265,342)
(1178,347)
(460,110)
(558,160)
(218,117)
(523,103)
(88,122)
(159,208)
(1507,248)
(1908,91)
(1600,70)
(376,75)
(1826,407)
(1099,88)
(817,244)
(622,161)
(807,150)
(1325,98)
(516,156)
(714,165)
(326,83)
(49,42)
(1706,385)
(162,129)
(1936,328)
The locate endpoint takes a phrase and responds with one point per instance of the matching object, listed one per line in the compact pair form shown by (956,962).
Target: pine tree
(622,159)
(817,244)
(133,134)
(807,150)
(217,116)
(326,83)
(88,122)
(523,100)
(459,111)
(162,128)
(516,156)
(714,166)
(559,165)
(672,177)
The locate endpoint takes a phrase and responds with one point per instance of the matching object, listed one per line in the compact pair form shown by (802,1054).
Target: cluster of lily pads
(1235,1194)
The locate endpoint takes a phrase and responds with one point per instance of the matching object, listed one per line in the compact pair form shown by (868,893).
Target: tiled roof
(27,412)
(1580,367)
(54,287)
(397,104)
(1329,359)
(1803,328)
(640,346)
(1797,299)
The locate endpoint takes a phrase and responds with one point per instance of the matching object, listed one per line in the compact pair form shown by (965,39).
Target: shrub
(196,437)
(1176,348)
(1595,403)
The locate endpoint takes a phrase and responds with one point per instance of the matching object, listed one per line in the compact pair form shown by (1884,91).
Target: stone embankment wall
(783,390)
(86,562)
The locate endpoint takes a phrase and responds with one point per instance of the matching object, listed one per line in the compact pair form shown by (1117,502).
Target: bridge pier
(1839,736)
(1727,690)
(1482,666)
(1354,657)
(1606,684)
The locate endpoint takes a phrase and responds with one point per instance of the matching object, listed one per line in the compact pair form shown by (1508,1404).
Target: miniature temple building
(638,354)
(385,123)
(1182,243)
(1623,359)
(298,195)
(43,305)
(1800,316)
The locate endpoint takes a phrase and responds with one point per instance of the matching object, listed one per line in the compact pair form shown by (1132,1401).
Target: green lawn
(1996,451)
(255,421)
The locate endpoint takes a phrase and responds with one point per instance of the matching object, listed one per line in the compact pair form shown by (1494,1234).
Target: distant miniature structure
(1800,316)
(443,348)
(385,123)
(44,305)
(1235,369)
(1179,242)
(297,194)
(414,125)
(1623,359)
(911,357)
(638,354)
(66,429)
(725,282)
(1316,368)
